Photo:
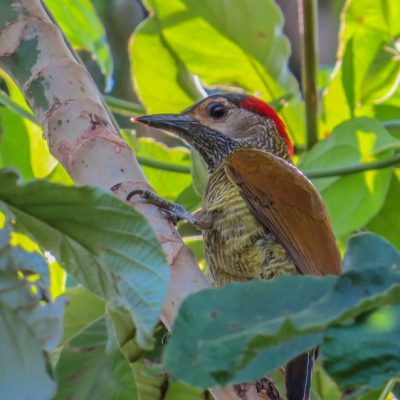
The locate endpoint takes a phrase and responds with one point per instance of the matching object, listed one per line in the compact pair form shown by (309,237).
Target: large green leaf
(162,81)
(238,46)
(242,331)
(84,30)
(100,240)
(28,325)
(361,195)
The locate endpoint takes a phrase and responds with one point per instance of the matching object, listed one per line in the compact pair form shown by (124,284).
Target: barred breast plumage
(238,247)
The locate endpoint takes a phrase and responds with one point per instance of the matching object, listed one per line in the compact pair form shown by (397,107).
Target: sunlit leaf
(162,82)
(360,195)
(21,144)
(15,143)
(386,222)
(377,16)
(237,46)
(167,184)
(84,30)
(368,69)
(199,172)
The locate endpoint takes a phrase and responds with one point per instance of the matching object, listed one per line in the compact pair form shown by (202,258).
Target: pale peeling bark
(82,135)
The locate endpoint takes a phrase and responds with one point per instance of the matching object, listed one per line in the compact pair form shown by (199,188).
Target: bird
(261,217)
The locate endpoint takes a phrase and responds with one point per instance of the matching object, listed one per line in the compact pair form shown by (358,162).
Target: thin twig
(308,28)
(354,169)
(124,107)
(6,100)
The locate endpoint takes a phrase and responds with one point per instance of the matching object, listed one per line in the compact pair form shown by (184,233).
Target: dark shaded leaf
(242,331)
(92,367)
(367,353)
(100,240)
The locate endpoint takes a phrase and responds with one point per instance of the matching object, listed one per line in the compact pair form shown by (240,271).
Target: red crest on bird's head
(257,106)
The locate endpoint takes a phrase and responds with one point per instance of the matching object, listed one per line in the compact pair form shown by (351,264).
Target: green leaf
(323,386)
(84,30)
(162,82)
(21,143)
(167,184)
(238,46)
(29,326)
(369,251)
(377,16)
(242,331)
(386,223)
(14,143)
(160,387)
(199,173)
(367,353)
(368,69)
(352,142)
(100,240)
(92,367)
(149,387)
(189,198)
(84,308)
(181,391)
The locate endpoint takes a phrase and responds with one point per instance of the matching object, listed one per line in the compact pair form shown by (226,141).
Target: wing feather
(288,205)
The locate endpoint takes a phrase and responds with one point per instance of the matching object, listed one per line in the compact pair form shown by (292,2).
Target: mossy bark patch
(7,15)
(37,93)
(20,63)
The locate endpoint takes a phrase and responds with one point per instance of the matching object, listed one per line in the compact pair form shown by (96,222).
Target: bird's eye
(217,111)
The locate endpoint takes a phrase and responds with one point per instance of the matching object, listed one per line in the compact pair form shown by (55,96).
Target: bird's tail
(298,376)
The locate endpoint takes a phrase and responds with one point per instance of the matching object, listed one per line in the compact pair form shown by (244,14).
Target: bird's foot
(174,211)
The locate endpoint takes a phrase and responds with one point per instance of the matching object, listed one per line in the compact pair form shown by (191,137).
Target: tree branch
(82,135)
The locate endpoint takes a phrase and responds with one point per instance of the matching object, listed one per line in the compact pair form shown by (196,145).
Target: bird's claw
(142,193)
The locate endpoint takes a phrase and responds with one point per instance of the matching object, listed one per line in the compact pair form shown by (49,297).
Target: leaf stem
(353,169)
(308,27)
(148,162)
(6,100)
(124,107)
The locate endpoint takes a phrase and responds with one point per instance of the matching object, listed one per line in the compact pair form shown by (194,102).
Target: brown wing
(289,206)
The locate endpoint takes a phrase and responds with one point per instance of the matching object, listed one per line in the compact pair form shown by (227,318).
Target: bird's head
(220,124)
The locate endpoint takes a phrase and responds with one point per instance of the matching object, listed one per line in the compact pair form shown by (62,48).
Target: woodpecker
(260,216)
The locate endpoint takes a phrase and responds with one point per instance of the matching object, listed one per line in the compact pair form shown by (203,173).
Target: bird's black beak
(179,124)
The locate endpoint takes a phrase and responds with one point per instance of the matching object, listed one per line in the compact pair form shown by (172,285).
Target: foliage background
(183,49)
